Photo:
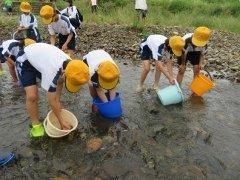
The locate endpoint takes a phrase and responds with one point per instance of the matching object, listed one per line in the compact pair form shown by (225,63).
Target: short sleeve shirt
(28,21)
(62,26)
(70,11)
(156,44)
(48,60)
(10,48)
(94,59)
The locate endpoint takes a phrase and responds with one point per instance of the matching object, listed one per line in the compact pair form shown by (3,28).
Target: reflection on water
(197,139)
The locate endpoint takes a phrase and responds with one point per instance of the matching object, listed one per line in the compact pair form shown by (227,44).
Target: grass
(216,14)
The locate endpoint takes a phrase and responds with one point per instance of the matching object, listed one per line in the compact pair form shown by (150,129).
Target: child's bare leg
(92,91)
(181,71)
(146,69)
(157,78)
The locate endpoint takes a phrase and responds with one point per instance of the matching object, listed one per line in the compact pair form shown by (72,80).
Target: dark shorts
(27,74)
(35,36)
(145,53)
(193,57)
(71,44)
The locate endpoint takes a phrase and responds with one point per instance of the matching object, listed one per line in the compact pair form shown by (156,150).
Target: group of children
(158,48)
(56,66)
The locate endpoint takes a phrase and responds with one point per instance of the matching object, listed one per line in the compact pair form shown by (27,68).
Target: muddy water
(198,139)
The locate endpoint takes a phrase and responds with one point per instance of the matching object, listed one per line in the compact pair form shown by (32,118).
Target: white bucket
(53,127)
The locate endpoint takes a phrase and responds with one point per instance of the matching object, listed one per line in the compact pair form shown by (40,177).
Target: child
(52,66)
(72,13)
(9,51)
(28,22)
(161,50)
(194,50)
(104,74)
(59,25)
(94,6)
(8,5)
(141,8)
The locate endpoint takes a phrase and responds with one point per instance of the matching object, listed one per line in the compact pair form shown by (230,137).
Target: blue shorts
(27,74)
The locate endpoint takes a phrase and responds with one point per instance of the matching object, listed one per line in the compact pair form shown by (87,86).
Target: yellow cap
(25,7)
(108,75)
(201,36)
(177,44)
(47,13)
(77,74)
(28,41)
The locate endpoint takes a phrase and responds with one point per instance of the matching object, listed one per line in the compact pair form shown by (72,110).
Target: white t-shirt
(62,26)
(47,59)
(70,11)
(141,4)
(94,2)
(10,48)
(153,42)
(95,58)
(28,21)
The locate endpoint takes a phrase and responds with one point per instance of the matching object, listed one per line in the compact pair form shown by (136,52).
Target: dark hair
(167,46)
(65,63)
(70,2)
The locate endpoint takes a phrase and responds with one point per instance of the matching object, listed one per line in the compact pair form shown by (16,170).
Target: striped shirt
(62,26)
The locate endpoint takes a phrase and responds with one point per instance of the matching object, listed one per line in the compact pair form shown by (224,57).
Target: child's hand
(172,80)
(65,125)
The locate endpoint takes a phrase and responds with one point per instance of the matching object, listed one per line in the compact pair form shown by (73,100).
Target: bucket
(111,109)
(170,95)
(201,84)
(53,127)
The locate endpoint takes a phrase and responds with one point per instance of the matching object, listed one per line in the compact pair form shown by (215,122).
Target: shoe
(7,160)
(140,88)
(37,131)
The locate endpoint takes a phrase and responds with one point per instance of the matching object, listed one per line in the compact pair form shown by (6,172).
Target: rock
(94,144)
(115,168)
(108,140)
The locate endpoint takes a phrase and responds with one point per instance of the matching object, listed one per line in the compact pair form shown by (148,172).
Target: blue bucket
(111,109)
(171,94)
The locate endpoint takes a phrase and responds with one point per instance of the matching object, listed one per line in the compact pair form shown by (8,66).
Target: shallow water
(198,139)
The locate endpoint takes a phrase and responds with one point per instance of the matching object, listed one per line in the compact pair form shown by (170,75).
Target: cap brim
(25,10)
(46,21)
(198,43)
(177,53)
(108,85)
(72,88)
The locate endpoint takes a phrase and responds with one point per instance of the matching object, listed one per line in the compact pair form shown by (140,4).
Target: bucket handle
(14,34)
(208,74)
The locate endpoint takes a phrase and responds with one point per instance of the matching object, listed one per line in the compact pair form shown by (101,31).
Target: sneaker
(37,130)
(140,88)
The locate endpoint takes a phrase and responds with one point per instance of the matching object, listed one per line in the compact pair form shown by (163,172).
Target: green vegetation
(216,14)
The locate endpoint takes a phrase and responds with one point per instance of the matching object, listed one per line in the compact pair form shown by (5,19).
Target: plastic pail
(171,94)
(53,127)
(111,109)
(201,84)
